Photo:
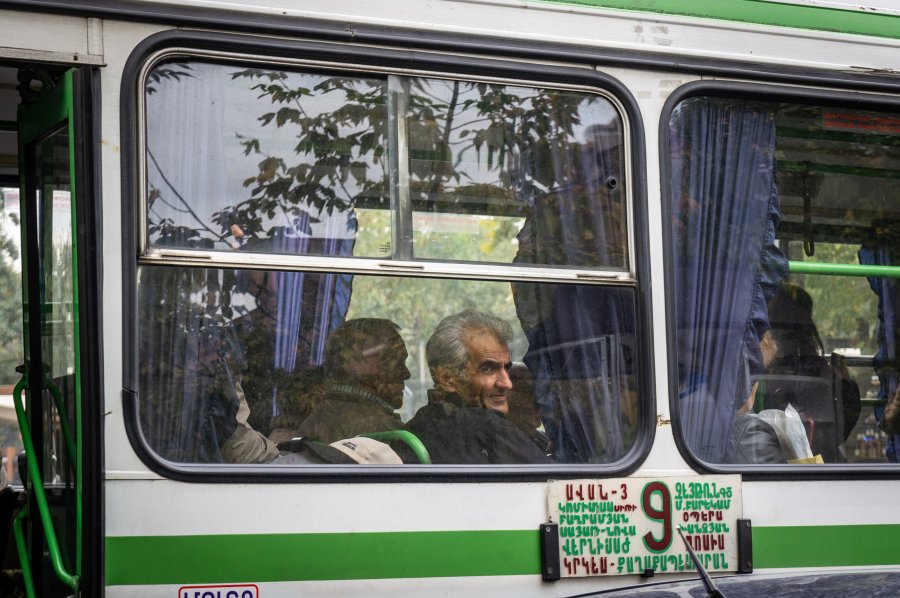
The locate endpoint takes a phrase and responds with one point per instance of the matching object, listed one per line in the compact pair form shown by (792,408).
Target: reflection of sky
(193,132)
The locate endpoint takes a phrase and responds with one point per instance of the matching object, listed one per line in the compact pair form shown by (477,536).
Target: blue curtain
(309,307)
(885,251)
(724,214)
(192,354)
(293,316)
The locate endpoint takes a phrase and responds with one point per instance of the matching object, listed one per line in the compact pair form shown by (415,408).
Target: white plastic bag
(790,431)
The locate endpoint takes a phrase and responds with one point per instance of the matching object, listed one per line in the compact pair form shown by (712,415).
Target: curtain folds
(883,251)
(725,211)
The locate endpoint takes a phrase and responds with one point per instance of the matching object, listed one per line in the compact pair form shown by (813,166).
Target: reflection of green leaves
(459,133)
(175,72)
(338,151)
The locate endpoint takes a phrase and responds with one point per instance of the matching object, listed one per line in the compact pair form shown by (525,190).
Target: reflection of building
(7,410)
(9,221)
(10,441)
(11,353)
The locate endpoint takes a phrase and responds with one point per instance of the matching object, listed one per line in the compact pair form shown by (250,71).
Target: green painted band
(307,557)
(826,546)
(313,557)
(761,12)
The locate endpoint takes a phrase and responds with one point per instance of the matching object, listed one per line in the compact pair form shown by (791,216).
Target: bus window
(501,207)
(783,235)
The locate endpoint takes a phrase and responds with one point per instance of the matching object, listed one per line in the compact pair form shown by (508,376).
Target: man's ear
(446,378)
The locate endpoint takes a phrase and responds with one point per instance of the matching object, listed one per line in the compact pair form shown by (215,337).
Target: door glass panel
(57,315)
(11,350)
(53,210)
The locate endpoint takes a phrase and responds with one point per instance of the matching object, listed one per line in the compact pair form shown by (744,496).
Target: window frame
(365,59)
(746,90)
(148,255)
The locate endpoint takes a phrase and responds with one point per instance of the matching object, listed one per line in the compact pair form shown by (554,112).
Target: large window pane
(275,367)
(754,186)
(282,347)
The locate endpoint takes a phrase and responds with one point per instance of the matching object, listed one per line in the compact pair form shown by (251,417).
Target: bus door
(51,532)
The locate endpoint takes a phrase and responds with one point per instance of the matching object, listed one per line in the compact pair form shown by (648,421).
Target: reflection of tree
(10,307)
(336,151)
(474,149)
(488,145)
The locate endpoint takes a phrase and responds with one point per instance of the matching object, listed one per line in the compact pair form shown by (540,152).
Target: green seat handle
(409,438)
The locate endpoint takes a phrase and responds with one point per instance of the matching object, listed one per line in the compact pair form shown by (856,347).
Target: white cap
(367,450)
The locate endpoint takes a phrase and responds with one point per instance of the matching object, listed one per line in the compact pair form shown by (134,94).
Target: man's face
(382,369)
(485,381)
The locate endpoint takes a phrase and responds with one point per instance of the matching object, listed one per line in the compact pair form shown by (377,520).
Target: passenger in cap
(364,374)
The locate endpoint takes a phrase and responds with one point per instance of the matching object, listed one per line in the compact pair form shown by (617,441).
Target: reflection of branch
(168,203)
(445,138)
(346,192)
(182,200)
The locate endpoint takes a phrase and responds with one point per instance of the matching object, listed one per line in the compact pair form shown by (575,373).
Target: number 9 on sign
(656,500)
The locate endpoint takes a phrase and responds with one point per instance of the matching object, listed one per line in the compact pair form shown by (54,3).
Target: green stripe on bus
(295,557)
(315,557)
(762,13)
(826,546)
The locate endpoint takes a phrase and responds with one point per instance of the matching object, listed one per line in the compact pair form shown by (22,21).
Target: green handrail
(408,437)
(843,269)
(22,549)
(37,486)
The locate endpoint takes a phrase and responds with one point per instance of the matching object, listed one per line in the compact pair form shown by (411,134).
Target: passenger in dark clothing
(819,388)
(753,440)
(365,370)
(464,421)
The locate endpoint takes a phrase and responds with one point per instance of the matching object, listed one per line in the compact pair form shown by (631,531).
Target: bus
(458,297)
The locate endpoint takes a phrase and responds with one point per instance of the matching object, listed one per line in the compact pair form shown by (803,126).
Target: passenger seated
(218,370)
(827,400)
(753,440)
(246,445)
(364,375)
(464,421)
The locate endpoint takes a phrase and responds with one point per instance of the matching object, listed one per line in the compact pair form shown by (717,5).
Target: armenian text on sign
(628,526)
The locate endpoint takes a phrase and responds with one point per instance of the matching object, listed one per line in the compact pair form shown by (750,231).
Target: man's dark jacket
(457,433)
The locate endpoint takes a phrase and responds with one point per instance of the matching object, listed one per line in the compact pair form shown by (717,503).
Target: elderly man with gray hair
(464,421)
